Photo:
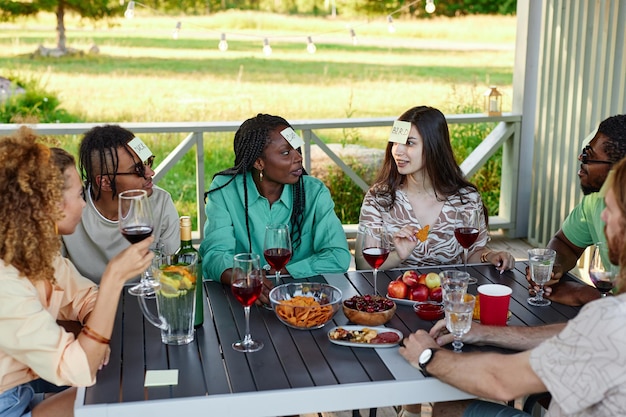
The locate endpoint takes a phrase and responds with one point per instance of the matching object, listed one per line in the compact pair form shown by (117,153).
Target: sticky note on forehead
(140,148)
(292,137)
(400,132)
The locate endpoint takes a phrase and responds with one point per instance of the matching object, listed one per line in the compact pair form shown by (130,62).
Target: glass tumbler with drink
(601,271)
(136,224)
(246,285)
(541,262)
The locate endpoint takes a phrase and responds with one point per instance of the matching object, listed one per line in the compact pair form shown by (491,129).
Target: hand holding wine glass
(136,224)
(601,271)
(246,285)
(466,230)
(277,247)
(374,244)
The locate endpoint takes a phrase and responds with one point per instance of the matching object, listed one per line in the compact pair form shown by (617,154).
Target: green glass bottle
(186,247)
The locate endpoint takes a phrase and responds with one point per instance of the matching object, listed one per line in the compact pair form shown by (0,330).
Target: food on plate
(422,234)
(397,289)
(419,293)
(410,278)
(298,312)
(364,335)
(436,294)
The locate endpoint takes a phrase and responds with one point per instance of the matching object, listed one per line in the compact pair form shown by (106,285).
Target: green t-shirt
(584,226)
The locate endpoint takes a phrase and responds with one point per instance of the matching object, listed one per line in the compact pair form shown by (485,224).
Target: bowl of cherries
(369,310)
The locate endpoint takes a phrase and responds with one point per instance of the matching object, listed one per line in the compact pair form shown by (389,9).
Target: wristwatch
(425,357)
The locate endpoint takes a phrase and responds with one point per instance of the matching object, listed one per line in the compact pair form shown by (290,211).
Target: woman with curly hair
(268,184)
(41,198)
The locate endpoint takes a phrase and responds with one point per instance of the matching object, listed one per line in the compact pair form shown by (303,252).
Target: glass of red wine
(246,284)
(466,228)
(601,271)
(136,224)
(277,247)
(374,245)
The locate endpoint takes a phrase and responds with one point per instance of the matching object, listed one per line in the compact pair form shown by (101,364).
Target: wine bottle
(185,250)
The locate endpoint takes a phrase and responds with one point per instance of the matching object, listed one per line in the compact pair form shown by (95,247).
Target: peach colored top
(32,344)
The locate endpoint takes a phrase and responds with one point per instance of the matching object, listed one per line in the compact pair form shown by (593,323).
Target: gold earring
(261,176)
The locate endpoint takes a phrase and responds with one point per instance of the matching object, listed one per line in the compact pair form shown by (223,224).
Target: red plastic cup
(494,304)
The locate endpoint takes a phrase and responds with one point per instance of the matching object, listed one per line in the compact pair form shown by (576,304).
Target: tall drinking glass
(541,263)
(601,271)
(459,310)
(453,282)
(277,247)
(373,242)
(246,285)
(466,229)
(136,224)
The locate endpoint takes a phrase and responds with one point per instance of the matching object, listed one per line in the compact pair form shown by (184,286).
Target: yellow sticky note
(400,131)
(162,377)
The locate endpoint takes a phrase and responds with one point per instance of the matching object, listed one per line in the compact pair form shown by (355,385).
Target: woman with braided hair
(266,185)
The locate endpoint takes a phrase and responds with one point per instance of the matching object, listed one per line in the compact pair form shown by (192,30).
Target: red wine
(136,234)
(466,236)
(375,256)
(601,284)
(277,257)
(246,294)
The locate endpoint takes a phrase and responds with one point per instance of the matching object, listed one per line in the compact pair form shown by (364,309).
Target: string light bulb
(430,6)
(223,45)
(391,28)
(130,10)
(355,41)
(267,49)
(176,31)
(310,46)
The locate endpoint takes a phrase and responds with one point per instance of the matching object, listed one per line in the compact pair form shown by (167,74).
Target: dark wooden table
(296,372)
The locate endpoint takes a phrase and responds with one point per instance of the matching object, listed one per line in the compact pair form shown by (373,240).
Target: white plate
(378,329)
(404,301)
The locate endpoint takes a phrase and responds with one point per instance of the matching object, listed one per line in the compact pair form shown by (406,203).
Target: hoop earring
(261,176)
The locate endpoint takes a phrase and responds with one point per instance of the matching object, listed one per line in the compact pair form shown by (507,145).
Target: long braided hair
(98,155)
(249,144)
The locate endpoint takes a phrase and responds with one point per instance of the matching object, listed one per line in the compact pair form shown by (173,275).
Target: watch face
(425,356)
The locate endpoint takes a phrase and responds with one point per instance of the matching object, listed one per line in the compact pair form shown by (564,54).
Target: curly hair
(31,192)
(614,128)
(98,155)
(249,144)
(443,170)
(63,160)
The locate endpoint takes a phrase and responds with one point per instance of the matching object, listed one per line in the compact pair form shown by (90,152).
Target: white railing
(505,135)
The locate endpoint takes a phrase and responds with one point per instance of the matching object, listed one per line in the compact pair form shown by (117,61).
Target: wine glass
(459,309)
(277,247)
(246,285)
(541,263)
(136,224)
(374,245)
(601,271)
(466,228)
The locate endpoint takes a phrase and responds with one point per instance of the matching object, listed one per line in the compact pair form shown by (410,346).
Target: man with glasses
(583,227)
(113,160)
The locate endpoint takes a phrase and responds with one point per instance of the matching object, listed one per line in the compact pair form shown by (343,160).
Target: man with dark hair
(583,227)
(112,160)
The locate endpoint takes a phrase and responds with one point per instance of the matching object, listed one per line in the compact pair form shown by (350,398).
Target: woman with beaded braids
(266,185)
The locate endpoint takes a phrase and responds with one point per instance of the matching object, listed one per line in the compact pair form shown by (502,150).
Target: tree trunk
(61,26)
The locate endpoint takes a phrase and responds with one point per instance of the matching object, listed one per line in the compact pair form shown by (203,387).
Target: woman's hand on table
(502,260)
(264,298)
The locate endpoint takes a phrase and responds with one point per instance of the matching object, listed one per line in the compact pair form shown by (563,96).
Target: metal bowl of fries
(305,305)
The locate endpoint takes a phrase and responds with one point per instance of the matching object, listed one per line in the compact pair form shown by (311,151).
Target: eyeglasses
(584,157)
(140,168)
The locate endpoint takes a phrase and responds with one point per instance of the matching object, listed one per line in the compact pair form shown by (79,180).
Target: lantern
(493,101)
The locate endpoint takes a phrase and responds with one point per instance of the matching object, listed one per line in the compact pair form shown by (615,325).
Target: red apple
(422,279)
(436,294)
(410,278)
(418,293)
(397,289)
(433,280)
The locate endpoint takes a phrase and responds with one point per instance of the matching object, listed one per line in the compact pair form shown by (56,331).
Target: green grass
(143,75)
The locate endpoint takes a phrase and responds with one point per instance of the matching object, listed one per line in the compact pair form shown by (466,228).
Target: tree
(90,9)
